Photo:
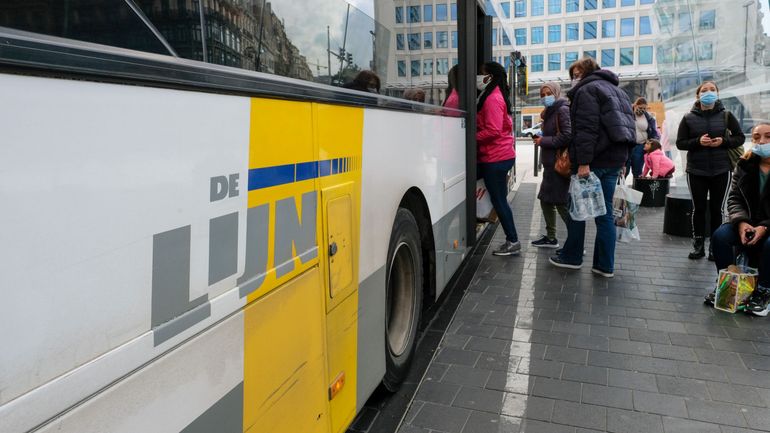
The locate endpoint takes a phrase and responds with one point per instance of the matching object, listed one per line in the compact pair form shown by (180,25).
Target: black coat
(603,123)
(702,160)
(745,203)
(555,188)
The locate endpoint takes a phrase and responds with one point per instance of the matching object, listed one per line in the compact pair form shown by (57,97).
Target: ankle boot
(698,250)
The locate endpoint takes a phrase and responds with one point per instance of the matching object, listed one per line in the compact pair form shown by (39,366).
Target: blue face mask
(548,100)
(708,98)
(761,150)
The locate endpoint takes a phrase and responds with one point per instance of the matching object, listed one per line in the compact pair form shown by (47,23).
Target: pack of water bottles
(586,198)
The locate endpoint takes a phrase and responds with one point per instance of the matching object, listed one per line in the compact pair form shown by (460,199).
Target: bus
(208,234)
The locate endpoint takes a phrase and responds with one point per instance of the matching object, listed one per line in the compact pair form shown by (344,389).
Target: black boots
(698,250)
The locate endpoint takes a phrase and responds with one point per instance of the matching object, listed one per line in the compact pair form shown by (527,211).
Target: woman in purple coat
(556,135)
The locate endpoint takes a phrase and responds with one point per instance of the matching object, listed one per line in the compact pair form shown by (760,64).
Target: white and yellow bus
(190,245)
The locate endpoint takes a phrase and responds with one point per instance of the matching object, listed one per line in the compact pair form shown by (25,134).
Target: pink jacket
(657,163)
(494,130)
(453,100)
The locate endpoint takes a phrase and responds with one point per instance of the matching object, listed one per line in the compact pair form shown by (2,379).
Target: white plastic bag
(586,198)
(483,202)
(625,204)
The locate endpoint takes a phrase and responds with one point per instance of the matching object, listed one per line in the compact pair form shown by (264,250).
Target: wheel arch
(414,201)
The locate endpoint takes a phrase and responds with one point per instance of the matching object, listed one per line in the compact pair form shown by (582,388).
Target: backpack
(735,153)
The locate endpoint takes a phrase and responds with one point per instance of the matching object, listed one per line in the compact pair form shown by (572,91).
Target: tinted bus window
(108,22)
(179,22)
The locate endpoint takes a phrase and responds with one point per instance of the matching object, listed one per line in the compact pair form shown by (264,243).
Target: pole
(203,34)
(328,56)
(745,39)
(344,42)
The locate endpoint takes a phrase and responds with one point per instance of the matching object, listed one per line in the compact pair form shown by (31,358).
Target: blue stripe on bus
(267,177)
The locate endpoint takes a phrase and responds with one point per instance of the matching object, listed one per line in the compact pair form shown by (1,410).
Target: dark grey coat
(554,189)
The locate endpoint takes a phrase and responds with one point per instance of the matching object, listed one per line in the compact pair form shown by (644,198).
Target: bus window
(108,22)
(180,24)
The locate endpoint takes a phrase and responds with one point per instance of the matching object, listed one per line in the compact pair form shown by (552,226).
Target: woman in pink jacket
(496,156)
(655,162)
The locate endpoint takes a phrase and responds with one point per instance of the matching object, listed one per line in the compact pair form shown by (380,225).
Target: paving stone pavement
(533,348)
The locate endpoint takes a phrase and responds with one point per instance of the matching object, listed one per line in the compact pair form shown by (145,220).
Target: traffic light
(349,58)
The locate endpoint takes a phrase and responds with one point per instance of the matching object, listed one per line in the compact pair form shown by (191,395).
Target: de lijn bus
(200,230)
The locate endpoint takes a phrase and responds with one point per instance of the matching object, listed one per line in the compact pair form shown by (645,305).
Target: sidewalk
(534,348)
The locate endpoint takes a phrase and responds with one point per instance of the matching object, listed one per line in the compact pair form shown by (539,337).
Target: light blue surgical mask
(708,98)
(761,150)
(548,100)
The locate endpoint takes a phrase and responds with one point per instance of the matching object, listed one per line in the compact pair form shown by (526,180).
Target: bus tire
(403,298)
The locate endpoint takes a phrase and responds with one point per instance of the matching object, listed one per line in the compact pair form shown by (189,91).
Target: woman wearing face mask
(748,207)
(703,133)
(646,129)
(496,156)
(557,133)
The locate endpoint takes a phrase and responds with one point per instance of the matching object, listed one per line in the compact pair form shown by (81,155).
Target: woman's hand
(759,234)
(744,228)
(716,142)
(705,140)
(584,170)
(536,139)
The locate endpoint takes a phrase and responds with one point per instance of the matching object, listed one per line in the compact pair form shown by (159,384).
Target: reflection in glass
(442,40)
(441,12)
(589,30)
(570,58)
(414,41)
(608,58)
(626,56)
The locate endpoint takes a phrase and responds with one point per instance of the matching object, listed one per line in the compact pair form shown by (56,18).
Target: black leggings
(711,189)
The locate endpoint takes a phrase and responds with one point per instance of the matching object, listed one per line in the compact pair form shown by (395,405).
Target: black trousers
(703,188)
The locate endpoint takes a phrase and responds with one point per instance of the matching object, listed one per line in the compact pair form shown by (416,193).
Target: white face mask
(481,84)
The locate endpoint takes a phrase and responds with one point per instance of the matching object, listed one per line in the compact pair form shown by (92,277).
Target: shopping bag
(625,204)
(483,202)
(586,198)
(735,285)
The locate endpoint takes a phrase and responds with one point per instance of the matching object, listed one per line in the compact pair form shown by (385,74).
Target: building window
(685,23)
(538,8)
(573,31)
(506,39)
(537,35)
(521,36)
(427,40)
(494,37)
(684,52)
(554,61)
(708,20)
(454,38)
(646,2)
(608,57)
(554,7)
(626,56)
(570,58)
(644,26)
(399,15)
(506,7)
(400,41)
(609,4)
(627,27)
(442,40)
(441,12)
(554,33)
(414,41)
(507,62)
(536,64)
(402,68)
(706,51)
(415,68)
(453,11)
(608,28)
(589,30)
(590,53)
(427,67)
(589,5)
(645,55)
(666,22)
(520,8)
(427,13)
(455,61)
(573,5)
(624,3)
(442,66)
(414,14)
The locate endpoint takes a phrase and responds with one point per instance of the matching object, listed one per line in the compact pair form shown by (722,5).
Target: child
(655,162)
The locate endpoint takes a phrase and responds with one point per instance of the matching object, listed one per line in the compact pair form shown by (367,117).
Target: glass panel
(706,50)
(454,38)
(427,13)
(554,6)
(506,39)
(573,5)
(107,22)
(453,8)
(708,20)
(590,53)
(427,67)
(402,68)
(537,35)
(179,22)
(494,37)
(609,3)
(414,41)
(399,14)
(442,66)
(506,7)
(521,36)
(427,40)
(624,3)
(685,23)
(400,41)
(554,61)
(645,55)
(627,27)
(589,30)
(644,26)
(442,40)
(414,14)
(554,33)
(573,31)
(415,68)
(538,8)
(608,58)
(589,5)
(684,52)
(520,8)
(646,2)
(441,12)
(570,58)
(537,63)
(626,56)
(608,28)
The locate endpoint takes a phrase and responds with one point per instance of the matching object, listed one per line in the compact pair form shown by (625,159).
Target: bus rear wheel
(403,298)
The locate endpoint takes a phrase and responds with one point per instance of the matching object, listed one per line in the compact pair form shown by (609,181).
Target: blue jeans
(635,163)
(724,243)
(604,245)
(495,175)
